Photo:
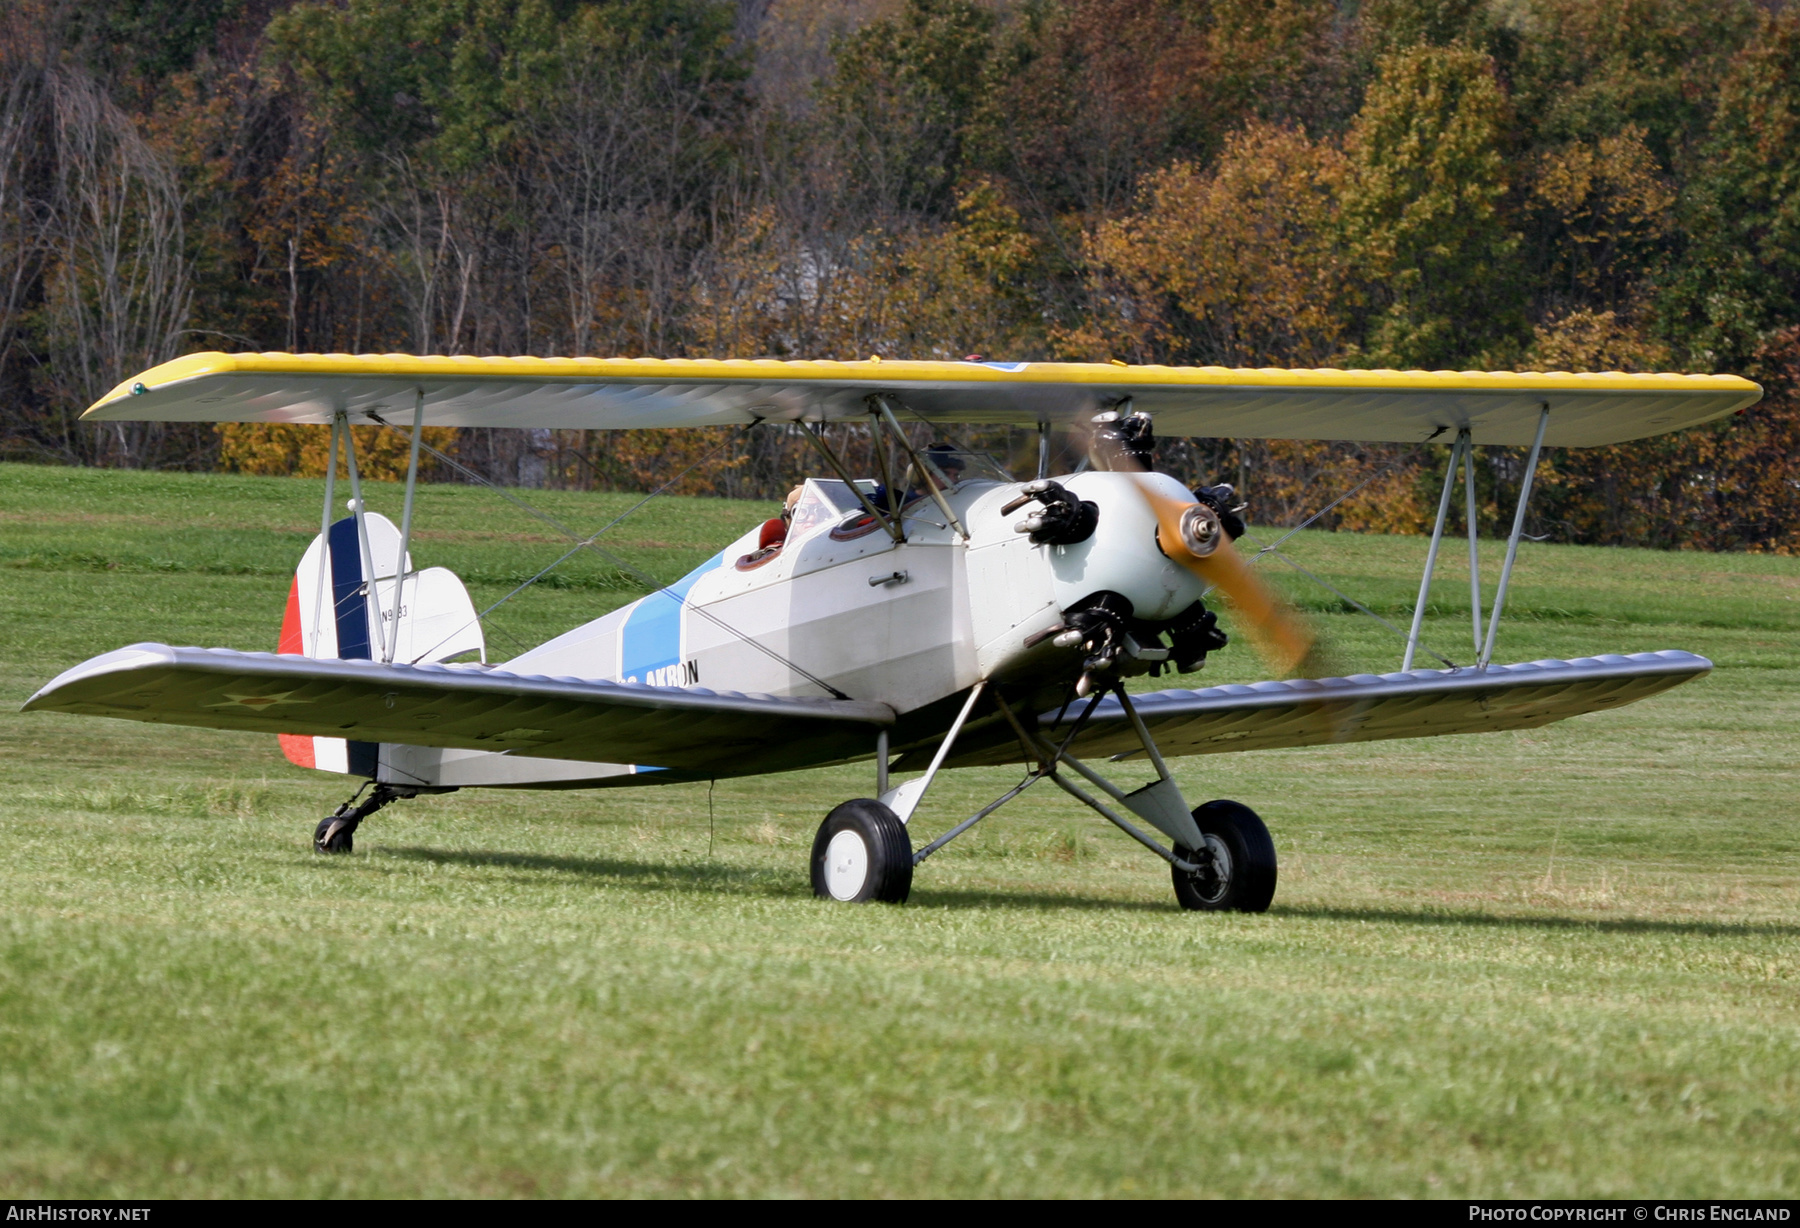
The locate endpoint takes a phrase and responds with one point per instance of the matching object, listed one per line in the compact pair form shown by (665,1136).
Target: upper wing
(1367,707)
(467,707)
(1499,407)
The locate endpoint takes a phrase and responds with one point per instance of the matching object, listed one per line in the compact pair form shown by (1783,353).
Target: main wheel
(862,853)
(1237,871)
(327,841)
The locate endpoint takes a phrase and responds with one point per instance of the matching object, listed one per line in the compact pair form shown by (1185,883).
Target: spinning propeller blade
(1190,534)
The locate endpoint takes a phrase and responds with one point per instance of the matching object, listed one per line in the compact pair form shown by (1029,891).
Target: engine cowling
(1122,555)
(1019,590)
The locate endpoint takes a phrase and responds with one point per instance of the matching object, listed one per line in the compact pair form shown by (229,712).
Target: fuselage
(907,623)
(842,608)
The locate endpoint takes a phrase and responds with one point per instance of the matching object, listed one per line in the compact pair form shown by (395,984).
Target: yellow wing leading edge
(1498,407)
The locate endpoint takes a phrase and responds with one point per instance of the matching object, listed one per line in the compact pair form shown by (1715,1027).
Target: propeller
(1191,534)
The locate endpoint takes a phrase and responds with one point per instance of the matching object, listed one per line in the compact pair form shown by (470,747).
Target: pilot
(775,529)
(945,459)
(948,461)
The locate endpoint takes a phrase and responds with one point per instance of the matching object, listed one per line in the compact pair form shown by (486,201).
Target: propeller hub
(1201,530)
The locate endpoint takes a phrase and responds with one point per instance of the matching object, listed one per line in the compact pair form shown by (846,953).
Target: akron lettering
(682,673)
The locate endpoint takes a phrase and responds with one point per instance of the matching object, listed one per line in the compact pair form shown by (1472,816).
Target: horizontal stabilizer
(1369,707)
(467,707)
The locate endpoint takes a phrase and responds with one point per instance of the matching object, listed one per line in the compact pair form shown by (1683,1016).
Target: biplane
(934,614)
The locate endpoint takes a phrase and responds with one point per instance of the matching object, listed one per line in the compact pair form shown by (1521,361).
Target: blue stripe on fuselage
(651,637)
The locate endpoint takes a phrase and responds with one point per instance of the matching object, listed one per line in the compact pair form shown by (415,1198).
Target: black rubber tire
(343,841)
(1234,830)
(886,850)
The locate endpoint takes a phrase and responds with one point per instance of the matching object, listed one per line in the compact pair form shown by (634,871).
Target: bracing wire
(1274,547)
(1380,471)
(580,544)
(642,576)
(1345,597)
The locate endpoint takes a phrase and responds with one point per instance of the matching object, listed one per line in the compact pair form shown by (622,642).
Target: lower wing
(1366,707)
(465,707)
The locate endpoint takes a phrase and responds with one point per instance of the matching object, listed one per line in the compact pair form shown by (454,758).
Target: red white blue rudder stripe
(334,612)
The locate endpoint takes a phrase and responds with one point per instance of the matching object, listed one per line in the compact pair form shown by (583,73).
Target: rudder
(333,612)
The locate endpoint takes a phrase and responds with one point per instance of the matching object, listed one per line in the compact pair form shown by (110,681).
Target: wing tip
(120,660)
(151,655)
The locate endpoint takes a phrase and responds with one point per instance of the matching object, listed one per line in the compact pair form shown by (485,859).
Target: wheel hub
(1214,876)
(846,865)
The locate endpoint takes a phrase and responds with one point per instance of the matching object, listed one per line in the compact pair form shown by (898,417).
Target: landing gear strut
(336,831)
(1222,858)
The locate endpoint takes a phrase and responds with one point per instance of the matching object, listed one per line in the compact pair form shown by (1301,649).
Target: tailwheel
(334,835)
(862,853)
(1237,867)
(336,832)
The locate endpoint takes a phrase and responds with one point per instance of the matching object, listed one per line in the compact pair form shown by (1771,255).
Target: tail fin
(333,611)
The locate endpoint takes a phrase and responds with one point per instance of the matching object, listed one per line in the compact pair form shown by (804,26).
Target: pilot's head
(947,461)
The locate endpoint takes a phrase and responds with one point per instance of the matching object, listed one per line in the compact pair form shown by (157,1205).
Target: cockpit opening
(820,504)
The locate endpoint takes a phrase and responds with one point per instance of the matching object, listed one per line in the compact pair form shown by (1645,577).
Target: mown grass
(1564,962)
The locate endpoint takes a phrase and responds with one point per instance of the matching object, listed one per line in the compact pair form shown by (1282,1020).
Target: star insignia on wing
(257,702)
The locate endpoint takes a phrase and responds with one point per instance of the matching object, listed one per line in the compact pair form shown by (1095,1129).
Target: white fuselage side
(908,623)
(821,610)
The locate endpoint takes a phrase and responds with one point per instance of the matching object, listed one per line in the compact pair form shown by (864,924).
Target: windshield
(952,466)
(824,501)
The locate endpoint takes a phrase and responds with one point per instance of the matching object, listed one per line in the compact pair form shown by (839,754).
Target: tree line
(1535,184)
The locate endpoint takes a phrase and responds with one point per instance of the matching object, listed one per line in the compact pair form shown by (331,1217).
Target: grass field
(1556,963)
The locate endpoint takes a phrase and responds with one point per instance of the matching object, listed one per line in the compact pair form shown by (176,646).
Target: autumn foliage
(1555,184)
